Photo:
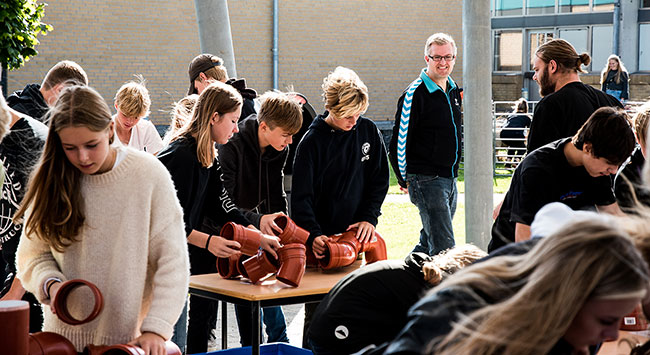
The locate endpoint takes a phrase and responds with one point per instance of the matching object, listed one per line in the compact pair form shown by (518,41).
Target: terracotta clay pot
(123,349)
(47,343)
(260,266)
(227,267)
(60,301)
(344,248)
(291,233)
(249,239)
(14,327)
(292,264)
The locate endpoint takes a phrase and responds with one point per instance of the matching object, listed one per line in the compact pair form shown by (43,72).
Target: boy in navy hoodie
(252,163)
(340,173)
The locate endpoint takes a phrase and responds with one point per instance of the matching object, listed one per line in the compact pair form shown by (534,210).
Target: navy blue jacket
(339,177)
(427,136)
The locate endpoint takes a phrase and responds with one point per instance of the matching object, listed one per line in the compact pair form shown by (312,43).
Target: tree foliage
(20,23)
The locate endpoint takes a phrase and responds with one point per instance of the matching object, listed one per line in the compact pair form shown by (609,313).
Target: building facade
(519,26)
(382,40)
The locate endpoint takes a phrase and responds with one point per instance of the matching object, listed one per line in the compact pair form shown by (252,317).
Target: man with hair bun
(567,103)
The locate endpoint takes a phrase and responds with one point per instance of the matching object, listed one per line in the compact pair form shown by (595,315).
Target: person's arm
(522,232)
(392,147)
(302,189)
(530,190)
(625,93)
(16,291)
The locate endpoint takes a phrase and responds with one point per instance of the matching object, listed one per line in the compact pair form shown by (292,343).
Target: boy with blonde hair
(252,163)
(132,103)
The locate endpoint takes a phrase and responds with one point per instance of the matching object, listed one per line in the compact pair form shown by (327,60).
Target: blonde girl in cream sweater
(109,215)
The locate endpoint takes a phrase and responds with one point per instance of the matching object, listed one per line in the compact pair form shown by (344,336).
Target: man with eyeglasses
(425,148)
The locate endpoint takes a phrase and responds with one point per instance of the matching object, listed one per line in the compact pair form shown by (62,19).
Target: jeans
(276,326)
(435,198)
(180,330)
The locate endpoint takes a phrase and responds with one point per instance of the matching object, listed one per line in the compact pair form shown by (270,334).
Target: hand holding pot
(151,343)
(54,289)
(223,248)
(365,231)
(268,225)
(271,244)
(318,246)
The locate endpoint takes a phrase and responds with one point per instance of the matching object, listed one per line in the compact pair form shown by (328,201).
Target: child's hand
(151,343)
(267,223)
(222,247)
(271,244)
(54,289)
(319,246)
(365,231)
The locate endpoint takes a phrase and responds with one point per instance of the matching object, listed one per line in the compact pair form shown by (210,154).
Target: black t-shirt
(545,176)
(368,306)
(563,112)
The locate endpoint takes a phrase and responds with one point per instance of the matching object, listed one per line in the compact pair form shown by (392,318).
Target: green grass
(500,185)
(400,226)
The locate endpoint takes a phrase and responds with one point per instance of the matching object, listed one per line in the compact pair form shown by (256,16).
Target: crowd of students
(98,196)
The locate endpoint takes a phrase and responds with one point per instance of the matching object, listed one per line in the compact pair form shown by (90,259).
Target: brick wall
(382,40)
(112,40)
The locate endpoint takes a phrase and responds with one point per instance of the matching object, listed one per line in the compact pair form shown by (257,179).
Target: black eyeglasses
(437,58)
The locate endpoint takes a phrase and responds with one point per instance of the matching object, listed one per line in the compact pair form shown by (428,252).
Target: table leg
(255,335)
(224,325)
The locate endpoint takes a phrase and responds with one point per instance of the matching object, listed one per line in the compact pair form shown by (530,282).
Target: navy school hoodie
(339,177)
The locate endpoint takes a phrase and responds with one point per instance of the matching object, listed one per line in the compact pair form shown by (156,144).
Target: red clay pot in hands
(343,249)
(60,301)
(260,266)
(291,233)
(375,249)
(48,343)
(249,239)
(292,264)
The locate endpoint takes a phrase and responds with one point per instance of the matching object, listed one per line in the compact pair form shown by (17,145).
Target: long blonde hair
(606,70)
(344,93)
(53,192)
(219,98)
(539,293)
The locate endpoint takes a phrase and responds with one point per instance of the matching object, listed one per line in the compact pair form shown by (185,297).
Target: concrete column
(214,31)
(477,107)
(629,37)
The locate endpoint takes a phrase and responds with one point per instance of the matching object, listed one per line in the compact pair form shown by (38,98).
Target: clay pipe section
(47,343)
(249,239)
(291,233)
(14,327)
(341,251)
(375,249)
(260,266)
(229,267)
(123,349)
(292,264)
(60,302)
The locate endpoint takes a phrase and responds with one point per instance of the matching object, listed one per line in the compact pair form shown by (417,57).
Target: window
(574,6)
(644,46)
(537,7)
(507,50)
(604,5)
(537,39)
(577,37)
(508,7)
(601,46)
(645,3)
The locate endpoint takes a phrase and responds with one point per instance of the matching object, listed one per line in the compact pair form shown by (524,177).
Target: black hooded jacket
(339,177)
(254,180)
(29,101)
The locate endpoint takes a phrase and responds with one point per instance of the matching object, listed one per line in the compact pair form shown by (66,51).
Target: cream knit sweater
(132,246)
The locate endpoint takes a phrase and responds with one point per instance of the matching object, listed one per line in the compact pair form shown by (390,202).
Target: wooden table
(622,348)
(315,284)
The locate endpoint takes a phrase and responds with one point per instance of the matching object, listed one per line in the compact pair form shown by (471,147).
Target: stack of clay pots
(342,250)
(16,340)
(256,264)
